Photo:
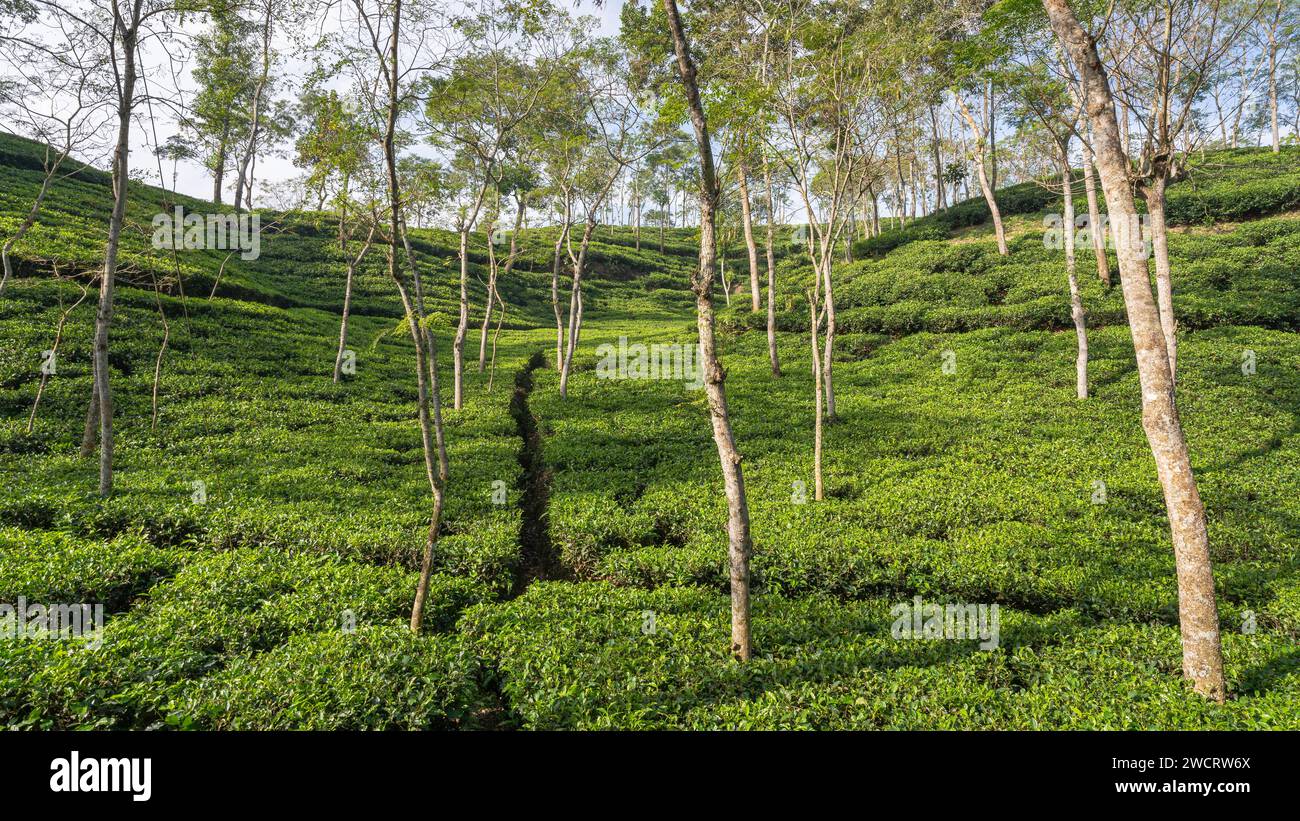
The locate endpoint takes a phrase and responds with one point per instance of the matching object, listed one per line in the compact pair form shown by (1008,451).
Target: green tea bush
(377,678)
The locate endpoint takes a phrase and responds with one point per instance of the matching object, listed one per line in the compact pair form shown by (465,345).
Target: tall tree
(738,536)
(223,61)
(1198,613)
(383,83)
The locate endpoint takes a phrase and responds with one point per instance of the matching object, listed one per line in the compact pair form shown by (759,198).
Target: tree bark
(555,285)
(1197,608)
(219,164)
(814,323)
(771,273)
(747,221)
(108,281)
(939,202)
(1155,198)
(462,325)
(739,542)
(827,367)
(353,262)
(426,367)
(1095,230)
(575,304)
(255,120)
(985,186)
(1272,77)
(1076,300)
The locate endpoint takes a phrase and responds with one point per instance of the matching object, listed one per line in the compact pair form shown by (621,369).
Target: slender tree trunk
(219,164)
(993,137)
(814,323)
(353,263)
(985,186)
(638,225)
(1076,300)
(1095,230)
(505,271)
(1197,609)
(108,281)
(748,222)
(575,305)
(739,543)
(239,186)
(771,273)
(726,288)
(1155,197)
(939,202)
(492,295)
(255,120)
(462,325)
(426,370)
(555,286)
(490,299)
(827,368)
(1272,78)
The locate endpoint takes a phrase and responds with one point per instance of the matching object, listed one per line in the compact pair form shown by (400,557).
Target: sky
(194,180)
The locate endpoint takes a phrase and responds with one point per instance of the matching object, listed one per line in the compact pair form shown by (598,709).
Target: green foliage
(657,660)
(378,678)
(231,610)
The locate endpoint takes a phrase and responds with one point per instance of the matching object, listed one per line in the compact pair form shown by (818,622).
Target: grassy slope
(968,487)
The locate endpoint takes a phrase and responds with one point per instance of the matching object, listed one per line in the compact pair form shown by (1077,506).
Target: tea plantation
(257,560)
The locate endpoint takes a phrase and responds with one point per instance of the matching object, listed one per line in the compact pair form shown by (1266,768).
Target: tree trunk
(739,543)
(108,281)
(426,370)
(490,299)
(993,138)
(998,230)
(1155,197)
(353,263)
(1095,230)
(1076,301)
(747,221)
(827,367)
(771,273)
(239,189)
(1272,78)
(555,286)
(814,322)
(1197,608)
(939,202)
(219,164)
(575,305)
(985,186)
(255,120)
(636,203)
(462,325)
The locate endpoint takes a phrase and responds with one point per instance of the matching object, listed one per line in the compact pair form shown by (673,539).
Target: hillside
(595,596)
